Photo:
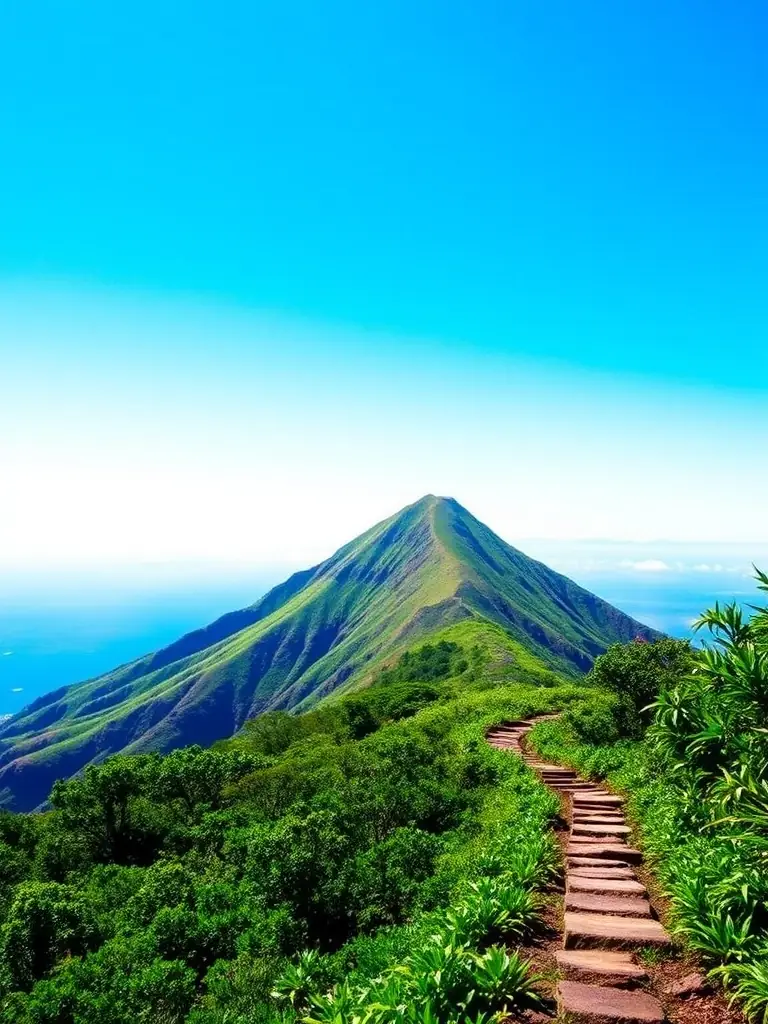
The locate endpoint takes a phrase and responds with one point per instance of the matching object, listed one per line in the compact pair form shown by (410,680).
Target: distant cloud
(646,565)
(17,689)
(704,567)
(7,654)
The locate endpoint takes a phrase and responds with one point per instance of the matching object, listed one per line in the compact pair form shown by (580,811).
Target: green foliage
(428,663)
(715,720)
(451,973)
(106,809)
(748,981)
(45,920)
(239,883)
(300,979)
(635,674)
(123,980)
(599,718)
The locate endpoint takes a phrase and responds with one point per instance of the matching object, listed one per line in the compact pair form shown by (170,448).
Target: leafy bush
(597,720)
(635,674)
(45,920)
(427,663)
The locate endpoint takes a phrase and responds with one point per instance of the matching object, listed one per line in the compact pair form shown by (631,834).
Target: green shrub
(636,673)
(600,719)
(44,922)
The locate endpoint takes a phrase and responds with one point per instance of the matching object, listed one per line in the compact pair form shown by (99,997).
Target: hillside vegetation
(241,883)
(684,733)
(325,631)
(375,859)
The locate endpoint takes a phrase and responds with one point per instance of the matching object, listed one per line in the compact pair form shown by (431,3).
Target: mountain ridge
(324,630)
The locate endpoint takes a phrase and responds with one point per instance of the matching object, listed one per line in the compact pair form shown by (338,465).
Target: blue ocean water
(671,606)
(52,635)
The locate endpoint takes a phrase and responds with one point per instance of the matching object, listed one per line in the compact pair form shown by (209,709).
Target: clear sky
(269,272)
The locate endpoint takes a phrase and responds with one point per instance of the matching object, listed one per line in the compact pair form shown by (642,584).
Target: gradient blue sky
(268,272)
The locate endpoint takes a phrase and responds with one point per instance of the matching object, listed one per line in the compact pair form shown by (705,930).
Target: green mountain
(324,631)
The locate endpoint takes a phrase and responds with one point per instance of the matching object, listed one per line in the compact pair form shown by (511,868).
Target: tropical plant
(299,979)
(503,981)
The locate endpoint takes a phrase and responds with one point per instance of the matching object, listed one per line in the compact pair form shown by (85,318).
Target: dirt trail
(609,915)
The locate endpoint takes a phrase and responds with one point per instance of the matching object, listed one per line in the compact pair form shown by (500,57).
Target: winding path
(608,915)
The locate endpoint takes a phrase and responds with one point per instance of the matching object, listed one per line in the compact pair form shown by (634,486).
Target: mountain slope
(324,629)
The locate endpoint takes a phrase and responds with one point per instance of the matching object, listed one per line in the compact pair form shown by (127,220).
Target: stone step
(611,840)
(591,1004)
(601,796)
(604,851)
(608,811)
(597,808)
(594,862)
(579,846)
(600,830)
(578,840)
(598,903)
(588,803)
(602,818)
(569,788)
(604,931)
(603,965)
(605,886)
(581,804)
(610,869)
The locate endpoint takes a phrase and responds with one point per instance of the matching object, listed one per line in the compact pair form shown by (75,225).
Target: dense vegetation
(697,781)
(375,859)
(375,852)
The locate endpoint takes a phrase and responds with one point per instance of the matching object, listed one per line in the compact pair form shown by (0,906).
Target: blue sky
(268,272)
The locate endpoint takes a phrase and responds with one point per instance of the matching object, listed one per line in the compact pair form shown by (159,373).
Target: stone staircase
(608,914)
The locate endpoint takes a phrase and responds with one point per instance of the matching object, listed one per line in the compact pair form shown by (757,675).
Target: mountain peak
(429,566)
(429,500)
